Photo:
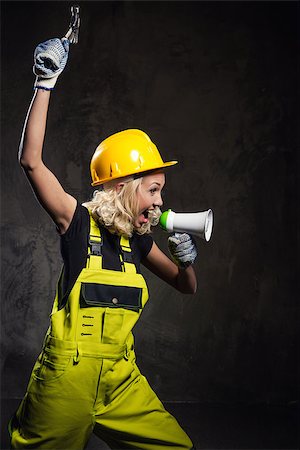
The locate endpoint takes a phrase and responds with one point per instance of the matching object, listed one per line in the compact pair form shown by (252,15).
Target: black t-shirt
(74,250)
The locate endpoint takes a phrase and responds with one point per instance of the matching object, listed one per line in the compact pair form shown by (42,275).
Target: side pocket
(50,367)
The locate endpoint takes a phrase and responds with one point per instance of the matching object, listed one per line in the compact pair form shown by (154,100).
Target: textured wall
(214,84)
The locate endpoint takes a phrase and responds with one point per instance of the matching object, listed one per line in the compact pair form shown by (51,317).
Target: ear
(119,187)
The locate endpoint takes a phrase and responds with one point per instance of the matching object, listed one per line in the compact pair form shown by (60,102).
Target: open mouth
(145,216)
(151,215)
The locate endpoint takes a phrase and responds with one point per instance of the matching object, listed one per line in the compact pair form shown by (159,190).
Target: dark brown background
(214,84)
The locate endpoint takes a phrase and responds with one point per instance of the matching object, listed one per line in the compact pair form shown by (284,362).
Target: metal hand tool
(73,31)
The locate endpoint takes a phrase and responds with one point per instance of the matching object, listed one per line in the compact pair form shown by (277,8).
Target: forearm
(186,280)
(31,145)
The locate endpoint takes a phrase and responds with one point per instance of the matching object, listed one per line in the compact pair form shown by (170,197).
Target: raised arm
(49,192)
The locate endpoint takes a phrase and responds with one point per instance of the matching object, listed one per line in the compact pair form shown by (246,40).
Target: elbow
(27,164)
(23,161)
(192,291)
(188,289)
(24,164)
(29,156)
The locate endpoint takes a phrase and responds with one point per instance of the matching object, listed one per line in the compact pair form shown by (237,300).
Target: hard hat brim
(140,172)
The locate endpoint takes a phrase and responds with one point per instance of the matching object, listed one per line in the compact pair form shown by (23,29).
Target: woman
(86,379)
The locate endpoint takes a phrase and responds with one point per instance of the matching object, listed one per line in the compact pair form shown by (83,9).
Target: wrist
(182,266)
(46,84)
(186,280)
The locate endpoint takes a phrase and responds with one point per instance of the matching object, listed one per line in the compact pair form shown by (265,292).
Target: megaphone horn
(200,223)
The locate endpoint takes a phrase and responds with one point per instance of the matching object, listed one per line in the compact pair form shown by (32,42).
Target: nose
(158,200)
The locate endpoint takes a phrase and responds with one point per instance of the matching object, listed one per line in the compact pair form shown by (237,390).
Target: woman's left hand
(182,249)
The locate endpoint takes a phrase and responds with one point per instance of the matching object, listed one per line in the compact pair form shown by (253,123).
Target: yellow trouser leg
(57,411)
(64,404)
(51,423)
(136,419)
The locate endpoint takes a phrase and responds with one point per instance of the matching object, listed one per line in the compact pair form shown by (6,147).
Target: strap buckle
(127,257)
(95,247)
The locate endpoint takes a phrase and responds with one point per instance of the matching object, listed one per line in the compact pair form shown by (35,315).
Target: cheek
(144,201)
(140,206)
(149,200)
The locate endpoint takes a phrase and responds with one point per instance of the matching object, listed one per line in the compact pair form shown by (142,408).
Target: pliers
(73,31)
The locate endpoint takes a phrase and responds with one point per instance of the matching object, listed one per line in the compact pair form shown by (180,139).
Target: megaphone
(200,224)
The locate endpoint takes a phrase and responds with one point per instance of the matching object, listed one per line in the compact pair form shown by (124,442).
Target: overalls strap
(127,261)
(94,260)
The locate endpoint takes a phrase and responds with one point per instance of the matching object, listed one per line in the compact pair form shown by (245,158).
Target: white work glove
(182,249)
(50,58)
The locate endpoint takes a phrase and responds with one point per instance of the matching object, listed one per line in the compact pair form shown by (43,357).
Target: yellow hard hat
(125,153)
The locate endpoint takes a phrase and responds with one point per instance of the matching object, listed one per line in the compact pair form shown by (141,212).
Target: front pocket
(50,367)
(104,295)
(119,379)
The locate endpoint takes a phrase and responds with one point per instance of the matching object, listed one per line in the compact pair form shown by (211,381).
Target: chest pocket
(94,294)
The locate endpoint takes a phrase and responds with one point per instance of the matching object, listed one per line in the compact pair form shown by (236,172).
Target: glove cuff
(183,265)
(45,83)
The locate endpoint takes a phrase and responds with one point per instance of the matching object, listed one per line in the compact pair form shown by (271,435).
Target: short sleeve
(79,224)
(73,247)
(144,244)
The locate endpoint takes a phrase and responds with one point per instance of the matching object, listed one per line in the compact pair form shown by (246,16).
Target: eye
(153,190)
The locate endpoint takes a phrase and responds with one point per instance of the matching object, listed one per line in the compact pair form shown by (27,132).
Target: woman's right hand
(53,198)
(50,59)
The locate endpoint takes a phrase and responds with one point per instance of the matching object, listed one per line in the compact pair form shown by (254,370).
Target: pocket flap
(104,295)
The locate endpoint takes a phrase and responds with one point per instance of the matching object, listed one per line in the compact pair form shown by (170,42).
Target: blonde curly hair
(117,209)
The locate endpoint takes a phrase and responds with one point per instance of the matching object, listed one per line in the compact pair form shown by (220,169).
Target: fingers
(50,57)
(179,238)
(66,43)
(183,249)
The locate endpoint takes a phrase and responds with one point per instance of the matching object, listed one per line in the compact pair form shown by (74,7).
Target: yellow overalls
(86,379)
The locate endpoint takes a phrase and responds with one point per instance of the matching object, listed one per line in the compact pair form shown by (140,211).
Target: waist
(88,349)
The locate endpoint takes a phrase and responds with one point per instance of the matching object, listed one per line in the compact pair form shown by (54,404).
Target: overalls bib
(86,379)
